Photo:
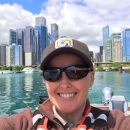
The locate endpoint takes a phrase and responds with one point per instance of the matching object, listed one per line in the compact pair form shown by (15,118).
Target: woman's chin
(66,109)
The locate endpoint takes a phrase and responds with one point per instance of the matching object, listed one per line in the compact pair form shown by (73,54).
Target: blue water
(18,91)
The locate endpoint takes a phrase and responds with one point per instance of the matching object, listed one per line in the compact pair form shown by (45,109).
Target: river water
(18,91)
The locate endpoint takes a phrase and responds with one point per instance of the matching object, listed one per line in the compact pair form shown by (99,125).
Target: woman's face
(67,95)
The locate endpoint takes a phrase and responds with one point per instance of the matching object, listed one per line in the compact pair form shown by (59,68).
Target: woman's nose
(65,81)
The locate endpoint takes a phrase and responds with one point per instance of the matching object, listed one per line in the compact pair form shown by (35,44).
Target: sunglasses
(72,72)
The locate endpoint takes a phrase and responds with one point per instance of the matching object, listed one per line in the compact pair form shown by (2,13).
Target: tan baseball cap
(66,45)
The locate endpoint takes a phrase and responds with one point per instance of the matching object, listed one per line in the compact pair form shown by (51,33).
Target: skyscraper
(40,26)
(54,32)
(30,45)
(101,54)
(126,44)
(114,48)
(2,55)
(20,40)
(12,37)
(40,20)
(108,50)
(8,55)
(14,55)
(18,55)
(105,32)
(37,47)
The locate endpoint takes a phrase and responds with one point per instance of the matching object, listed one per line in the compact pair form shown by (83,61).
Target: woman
(68,75)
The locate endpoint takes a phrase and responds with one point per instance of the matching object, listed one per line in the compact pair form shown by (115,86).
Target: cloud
(82,20)
(74,21)
(85,20)
(13,17)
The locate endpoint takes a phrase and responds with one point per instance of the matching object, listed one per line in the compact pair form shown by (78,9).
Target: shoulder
(97,111)
(118,120)
(97,118)
(25,114)
(22,120)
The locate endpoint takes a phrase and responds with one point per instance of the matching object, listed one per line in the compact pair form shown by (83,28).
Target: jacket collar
(46,108)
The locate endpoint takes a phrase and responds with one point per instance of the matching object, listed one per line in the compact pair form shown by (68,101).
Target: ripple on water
(18,91)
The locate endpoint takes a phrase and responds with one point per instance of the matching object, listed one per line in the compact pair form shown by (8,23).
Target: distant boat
(30,70)
(6,72)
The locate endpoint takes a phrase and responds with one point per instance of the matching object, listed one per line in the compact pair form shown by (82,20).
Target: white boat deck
(6,72)
(106,107)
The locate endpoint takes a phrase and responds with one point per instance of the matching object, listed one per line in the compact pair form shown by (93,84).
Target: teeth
(67,95)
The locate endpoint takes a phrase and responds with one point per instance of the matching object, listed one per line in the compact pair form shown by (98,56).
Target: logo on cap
(63,42)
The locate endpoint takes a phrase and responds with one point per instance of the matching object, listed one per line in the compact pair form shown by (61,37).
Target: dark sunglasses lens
(74,72)
(52,75)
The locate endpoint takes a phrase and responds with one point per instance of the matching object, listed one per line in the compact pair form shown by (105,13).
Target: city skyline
(82,20)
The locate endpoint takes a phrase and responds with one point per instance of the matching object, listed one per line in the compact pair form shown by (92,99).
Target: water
(18,91)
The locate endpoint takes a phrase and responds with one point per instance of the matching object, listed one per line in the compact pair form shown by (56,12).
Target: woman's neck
(73,117)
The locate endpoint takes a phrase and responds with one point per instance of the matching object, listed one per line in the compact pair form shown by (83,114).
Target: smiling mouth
(67,95)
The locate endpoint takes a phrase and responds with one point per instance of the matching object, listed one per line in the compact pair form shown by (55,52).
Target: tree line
(16,68)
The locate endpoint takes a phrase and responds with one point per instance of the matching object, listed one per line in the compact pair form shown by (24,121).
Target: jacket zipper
(53,120)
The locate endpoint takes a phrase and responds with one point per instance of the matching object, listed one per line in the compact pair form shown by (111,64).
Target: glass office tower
(105,33)
(126,44)
(40,26)
(20,40)
(54,32)
(12,37)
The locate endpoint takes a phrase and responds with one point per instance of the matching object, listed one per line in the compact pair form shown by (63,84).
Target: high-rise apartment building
(114,48)
(126,44)
(14,55)
(117,47)
(16,37)
(105,32)
(2,55)
(8,55)
(12,37)
(108,50)
(54,32)
(40,26)
(30,46)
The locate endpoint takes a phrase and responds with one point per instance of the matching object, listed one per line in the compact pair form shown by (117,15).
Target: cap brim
(47,59)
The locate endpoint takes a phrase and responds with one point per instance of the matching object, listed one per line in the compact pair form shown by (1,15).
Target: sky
(79,19)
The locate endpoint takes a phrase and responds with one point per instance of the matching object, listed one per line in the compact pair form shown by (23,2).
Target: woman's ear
(92,78)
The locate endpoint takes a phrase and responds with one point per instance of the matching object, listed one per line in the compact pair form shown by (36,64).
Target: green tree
(4,67)
(115,64)
(16,68)
(10,68)
(100,67)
